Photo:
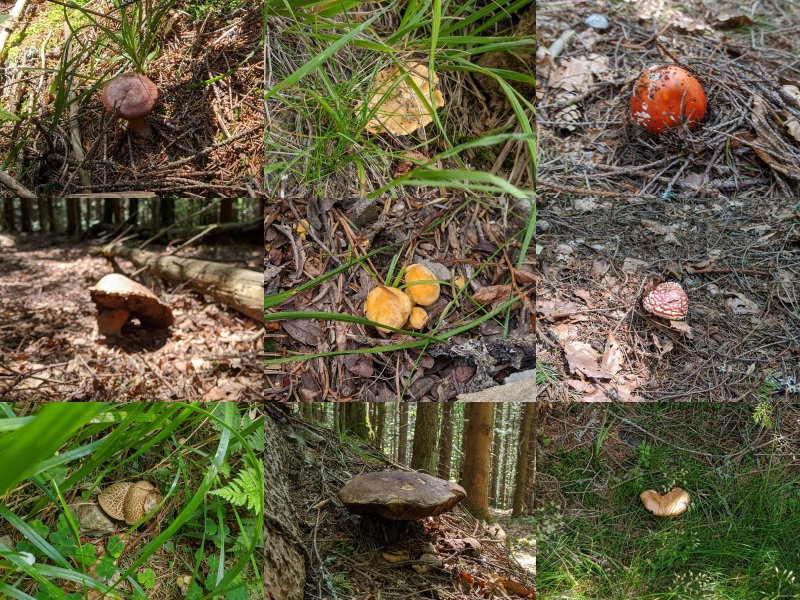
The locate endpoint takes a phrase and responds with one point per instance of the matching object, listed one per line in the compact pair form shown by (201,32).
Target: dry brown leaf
(792,123)
(359,364)
(578,74)
(612,359)
(492,293)
(402,110)
(742,305)
(305,331)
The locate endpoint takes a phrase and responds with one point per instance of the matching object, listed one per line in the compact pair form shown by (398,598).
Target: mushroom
(671,504)
(665,97)
(129,502)
(421,286)
(388,306)
(399,495)
(418,318)
(131,96)
(667,300)
(118,298)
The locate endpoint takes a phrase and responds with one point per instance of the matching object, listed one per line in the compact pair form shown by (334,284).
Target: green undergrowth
(203,540)
(323,61)
(734,542)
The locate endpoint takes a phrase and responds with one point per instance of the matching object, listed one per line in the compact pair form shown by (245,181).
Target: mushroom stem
(110,322)
(140,127)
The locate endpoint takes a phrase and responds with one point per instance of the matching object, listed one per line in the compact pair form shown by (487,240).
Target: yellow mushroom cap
(423,294)
(388,306)
(418,318)
(671,504)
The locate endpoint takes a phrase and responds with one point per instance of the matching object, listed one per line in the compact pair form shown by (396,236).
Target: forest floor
(355,549)
(322,258)
(739,464)
(208,120)
(49,347)
(621,209)
(737,260)
(746,59)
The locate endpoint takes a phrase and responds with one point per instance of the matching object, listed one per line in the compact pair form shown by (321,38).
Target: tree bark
(402,445)
(521,483)
(504,462)
(73,217)
(108,211)
(446,441)
(9,218)
(380,425)
(477,450)
(285,567)
(240,289)
(133,211)
(226,211)
(426,428)
(167,212)
(26,222)
(497,445)
(356,421)
(45,226)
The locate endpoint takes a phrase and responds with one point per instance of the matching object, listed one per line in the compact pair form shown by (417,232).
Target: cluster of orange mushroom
(393,307)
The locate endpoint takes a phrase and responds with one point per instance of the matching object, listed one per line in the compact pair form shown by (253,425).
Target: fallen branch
(15,186)
(8,26)
(241,289)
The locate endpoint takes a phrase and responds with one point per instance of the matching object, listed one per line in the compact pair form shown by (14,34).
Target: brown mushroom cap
(418,318)
(400,496)
(671,504)
(131,95)
(667,300)
(115,292)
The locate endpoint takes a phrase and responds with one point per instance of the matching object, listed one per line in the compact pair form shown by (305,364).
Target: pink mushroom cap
(667,300)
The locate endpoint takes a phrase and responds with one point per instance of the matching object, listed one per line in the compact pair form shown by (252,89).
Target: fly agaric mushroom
(671,504)
(665,97)
(400,496)
(667,300)
(129,502)
(119,298)
(388,306)
(418,318)
(131,96)
(421,286)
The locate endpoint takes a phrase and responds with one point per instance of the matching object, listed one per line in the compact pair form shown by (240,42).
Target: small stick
(16,187)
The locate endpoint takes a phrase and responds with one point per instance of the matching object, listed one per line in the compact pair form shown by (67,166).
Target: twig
(16,187)
(8,26)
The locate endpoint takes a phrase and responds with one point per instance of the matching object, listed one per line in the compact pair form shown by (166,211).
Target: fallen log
(240,289)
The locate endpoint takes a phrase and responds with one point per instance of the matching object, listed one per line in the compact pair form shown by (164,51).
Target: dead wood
(240,289)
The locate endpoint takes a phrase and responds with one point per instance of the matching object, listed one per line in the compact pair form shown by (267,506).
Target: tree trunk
(226,211)
(9,219)
(477,450)
(380,425)
(133,211)
(426,428)
(285,569)
(355,420)
(44,217)
(73,217)
(167,212)
(108,211)
(497,445)
(506,458)
(402,444)
(26,222)
(446,441)
(240,289)
(51,216)
(521,483)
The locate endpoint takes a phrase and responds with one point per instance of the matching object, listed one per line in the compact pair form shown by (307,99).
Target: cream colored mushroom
(129,502)
(671,504)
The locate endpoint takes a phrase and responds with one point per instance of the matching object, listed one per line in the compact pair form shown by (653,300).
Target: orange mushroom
(665,97)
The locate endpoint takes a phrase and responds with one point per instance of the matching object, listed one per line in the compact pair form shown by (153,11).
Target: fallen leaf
(407,106)
(359,364)
(305,331)
(492,293)
(612,359)
(742,305)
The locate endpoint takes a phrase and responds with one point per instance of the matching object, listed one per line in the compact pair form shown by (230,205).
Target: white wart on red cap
(667,300)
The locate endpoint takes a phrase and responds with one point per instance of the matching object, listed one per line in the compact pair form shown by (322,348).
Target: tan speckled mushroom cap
(129,502)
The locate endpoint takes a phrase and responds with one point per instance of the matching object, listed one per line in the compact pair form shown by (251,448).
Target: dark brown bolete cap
(400,496)
(117,293)
(131,95)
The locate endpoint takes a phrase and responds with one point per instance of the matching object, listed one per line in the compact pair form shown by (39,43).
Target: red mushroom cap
(667,300)
(132,95)
(665,97)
